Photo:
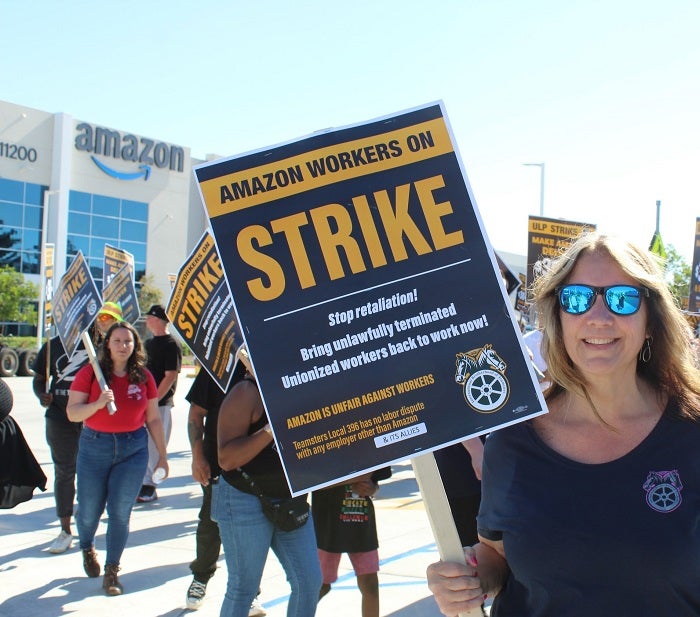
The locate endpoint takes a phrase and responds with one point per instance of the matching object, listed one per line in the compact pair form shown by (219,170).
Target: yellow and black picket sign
(368,295)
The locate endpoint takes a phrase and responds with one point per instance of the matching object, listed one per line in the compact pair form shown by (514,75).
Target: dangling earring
(645,352)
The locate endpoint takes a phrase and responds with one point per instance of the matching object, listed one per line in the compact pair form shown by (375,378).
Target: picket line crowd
(592,508)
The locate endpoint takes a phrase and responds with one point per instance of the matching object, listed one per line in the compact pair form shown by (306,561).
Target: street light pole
(541,166)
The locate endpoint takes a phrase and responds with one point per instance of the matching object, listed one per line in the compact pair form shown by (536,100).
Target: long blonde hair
(671,370)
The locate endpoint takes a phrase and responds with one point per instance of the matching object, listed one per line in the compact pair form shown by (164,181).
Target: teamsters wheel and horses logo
(482,373)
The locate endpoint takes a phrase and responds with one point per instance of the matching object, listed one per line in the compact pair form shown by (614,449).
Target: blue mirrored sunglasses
(620,299)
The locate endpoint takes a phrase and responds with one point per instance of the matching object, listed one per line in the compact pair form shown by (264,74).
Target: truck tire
(9,362)
(26,361)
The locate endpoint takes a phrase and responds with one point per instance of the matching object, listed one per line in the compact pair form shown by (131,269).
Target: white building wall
(29,128)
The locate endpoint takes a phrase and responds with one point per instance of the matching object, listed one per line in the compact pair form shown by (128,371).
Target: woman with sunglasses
(594,508)
(113,450)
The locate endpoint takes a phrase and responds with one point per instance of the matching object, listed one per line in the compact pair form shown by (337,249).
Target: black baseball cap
(158,311)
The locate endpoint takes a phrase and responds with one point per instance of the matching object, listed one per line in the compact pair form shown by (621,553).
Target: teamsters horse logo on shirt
(663,490)
(482,373)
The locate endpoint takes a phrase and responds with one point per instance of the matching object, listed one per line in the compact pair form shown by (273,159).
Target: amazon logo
(147,153)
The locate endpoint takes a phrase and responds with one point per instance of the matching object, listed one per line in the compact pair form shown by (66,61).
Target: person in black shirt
(164,361)
(205,398)
(53,375)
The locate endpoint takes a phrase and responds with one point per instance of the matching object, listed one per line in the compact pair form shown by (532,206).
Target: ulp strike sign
(368,295)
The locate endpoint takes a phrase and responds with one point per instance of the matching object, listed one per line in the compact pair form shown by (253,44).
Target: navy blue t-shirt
(620,538)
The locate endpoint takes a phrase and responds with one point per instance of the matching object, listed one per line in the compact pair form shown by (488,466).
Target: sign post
(44,324)
(437,507)
(97,369)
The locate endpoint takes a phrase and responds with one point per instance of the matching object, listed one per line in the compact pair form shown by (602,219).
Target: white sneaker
(62,543)
(195,595)
(256,609)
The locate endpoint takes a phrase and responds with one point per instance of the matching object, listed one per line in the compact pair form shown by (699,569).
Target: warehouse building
(81,186)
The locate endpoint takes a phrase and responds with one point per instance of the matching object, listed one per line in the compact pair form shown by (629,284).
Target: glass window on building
(32,217)
(12,190)
(104,227)
(34,194)
(80,202)
(138,250)
(77,243)
(97,220)
(135,231)
(105,206)
(97,248)
(21,213)
(134,210)
(10,214)
(31,241)
(79,224)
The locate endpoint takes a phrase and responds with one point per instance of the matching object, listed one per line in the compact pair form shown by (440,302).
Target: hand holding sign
(440,517)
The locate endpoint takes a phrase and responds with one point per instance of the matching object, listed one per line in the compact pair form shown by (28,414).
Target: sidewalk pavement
(155,572)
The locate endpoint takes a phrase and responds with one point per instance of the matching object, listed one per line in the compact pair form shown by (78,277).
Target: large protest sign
(547,238)
(121,289)
(114,260)
(201,310)
(118,283)
(368,294)
(75,303)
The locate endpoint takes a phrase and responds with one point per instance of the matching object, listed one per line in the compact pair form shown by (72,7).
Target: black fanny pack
(285,514)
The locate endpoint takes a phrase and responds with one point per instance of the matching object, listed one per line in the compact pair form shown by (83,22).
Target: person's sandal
(92,567)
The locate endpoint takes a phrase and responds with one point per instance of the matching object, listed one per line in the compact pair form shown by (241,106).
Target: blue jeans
(110,470)
(247,537)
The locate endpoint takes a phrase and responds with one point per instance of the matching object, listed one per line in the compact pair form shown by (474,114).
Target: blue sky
(605,93)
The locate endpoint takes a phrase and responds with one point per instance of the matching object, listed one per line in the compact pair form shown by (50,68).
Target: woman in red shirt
(113,450)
